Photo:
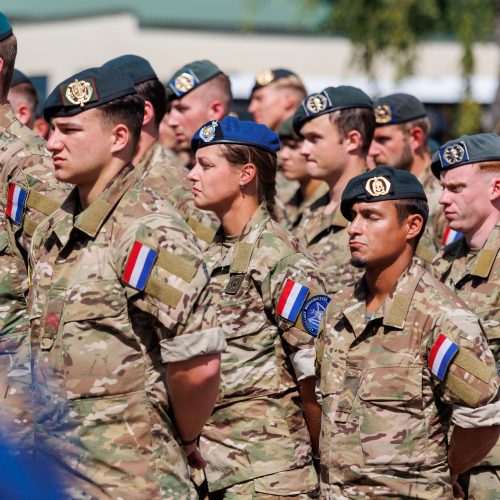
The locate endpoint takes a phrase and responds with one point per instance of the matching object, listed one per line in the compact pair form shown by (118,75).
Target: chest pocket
(392,424)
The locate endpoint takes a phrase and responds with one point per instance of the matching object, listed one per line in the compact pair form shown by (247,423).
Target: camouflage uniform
(25,162)
(256,442)
(159,171)
(100,345)
(475,277)
(326,239)
(385,416)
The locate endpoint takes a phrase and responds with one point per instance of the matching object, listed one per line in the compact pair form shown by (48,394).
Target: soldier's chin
(358,262)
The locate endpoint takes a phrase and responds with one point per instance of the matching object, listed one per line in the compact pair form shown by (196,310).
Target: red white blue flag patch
(291,300)
(442,352)
(15,202)
(450,235)
(139,265)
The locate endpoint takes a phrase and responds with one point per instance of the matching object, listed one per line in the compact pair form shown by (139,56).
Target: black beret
(381,183)
(5,27)
(269,76)
(86,90)
(465,150)
(397,108)
(327,101)
(286,130)
(136,67)
(18,78)
(191,76)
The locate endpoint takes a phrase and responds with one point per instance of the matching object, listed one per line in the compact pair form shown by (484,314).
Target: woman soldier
(268,298)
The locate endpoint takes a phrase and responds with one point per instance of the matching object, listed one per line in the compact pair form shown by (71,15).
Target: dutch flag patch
(139,265)
(291,300)
(450,235)
(442,352)
(15,202)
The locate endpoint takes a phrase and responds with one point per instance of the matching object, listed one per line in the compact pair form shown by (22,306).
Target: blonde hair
(489,167)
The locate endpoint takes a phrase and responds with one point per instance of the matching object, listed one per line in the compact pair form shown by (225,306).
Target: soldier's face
(293,164)
(268,106)
(391,146)
(325,153)
(81,147)
(376,238)
(216,183)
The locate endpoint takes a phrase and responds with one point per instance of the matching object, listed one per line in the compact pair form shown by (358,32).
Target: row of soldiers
(88,274)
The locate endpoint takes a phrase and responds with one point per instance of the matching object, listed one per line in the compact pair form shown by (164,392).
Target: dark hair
(8,52)
(128,110)
(27,91)
(424,124)
(266,164)
(411,206)
(360,119)
(154,92)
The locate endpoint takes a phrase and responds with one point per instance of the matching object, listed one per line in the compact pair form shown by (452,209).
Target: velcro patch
(441,354)
(16,202)
(139,265)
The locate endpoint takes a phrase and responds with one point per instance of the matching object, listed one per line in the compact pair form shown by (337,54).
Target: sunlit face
(268,106)
(187,115)
(293,164)
(391,146)
(325,153)
(216,182)
(81,147)
(376,238)
(465,198)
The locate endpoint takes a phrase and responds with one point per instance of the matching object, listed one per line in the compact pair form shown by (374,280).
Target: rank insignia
(312,313)
(207,133)
(378,186)
(453,154)
(79,93)
(184,83)
(15,202)
(265,77)
(383,114)
(139,265)
(234,283)
(316,103)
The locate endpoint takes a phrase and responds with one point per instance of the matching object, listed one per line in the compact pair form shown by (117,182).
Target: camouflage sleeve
(161,267)
(297,293)
(484,416)
(460,361)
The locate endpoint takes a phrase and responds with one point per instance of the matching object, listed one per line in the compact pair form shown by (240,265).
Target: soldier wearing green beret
(468,169)
(401,140)
(28,192)
(116,274)
(337,125)
(23,99)
(397,351)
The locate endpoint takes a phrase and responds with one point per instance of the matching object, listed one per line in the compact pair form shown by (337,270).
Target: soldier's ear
(415,224)
(416,137)
(216,110)
(120,138)
(149,113)
(495,189)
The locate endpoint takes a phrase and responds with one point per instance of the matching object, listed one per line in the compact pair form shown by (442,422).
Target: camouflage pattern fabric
(326,239)
(385,415)
(160,172)
(475,277)
(24,161)
(257,429)
(284,187)
(100,345)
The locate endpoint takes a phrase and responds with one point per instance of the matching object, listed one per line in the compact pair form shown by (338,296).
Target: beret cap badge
(383,113)
(378,186)
(453,154)
(265,77)
(207,133)
(185,82)
(79,92)
(316,103)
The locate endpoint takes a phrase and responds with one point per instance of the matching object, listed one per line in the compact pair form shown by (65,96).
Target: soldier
(293,167)
(401,140)
(199,92)
(155,165)
(23,99)
(337,125)
(116,273)
(397,349)
(28,193)
(469,171)
(256,442)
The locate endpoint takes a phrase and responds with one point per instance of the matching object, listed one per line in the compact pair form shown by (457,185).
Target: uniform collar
(7,117)
(487,255)
(151,156)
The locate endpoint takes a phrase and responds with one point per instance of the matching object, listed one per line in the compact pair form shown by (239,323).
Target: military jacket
(257,428)
(26,170)
(114,287)
(385,414)
(326,239)
(159,172)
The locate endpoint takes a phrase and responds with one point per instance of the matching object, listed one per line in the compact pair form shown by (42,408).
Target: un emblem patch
(453,154)
(312,313)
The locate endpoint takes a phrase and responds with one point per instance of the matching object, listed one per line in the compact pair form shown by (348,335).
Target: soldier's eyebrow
(457,183)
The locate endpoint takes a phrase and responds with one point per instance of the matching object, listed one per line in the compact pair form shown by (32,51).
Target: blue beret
(19,77)
(136,67)
(191,76)
(397,108)
(5,27)
(380,184)
(467,149)
(234,131)
(86,90)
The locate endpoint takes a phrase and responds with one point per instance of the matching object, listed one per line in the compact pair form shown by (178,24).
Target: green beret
(269,76)
(381,183)
(286,130)
(397,108)
(5,27)
(465,150)
(86,90)
(327,101)
(136,67)
(18,78)
(191,76)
